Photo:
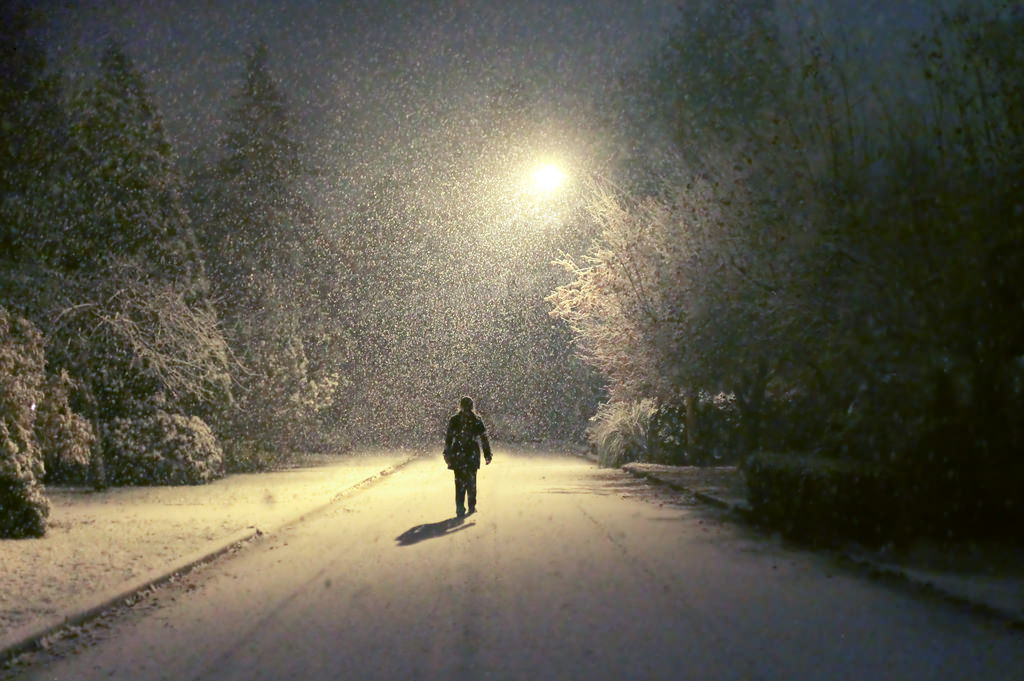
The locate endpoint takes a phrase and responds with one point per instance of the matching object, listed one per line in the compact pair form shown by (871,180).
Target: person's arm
(448,436)
(485,443)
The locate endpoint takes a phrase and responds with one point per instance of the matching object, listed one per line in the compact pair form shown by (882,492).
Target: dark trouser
(465,485)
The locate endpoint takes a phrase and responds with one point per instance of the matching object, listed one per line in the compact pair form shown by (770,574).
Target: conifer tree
(266,256)
(33,133)
(128,189)
(134,325)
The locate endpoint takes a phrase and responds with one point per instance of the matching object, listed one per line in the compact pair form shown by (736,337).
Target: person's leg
(471,490)
(460,492)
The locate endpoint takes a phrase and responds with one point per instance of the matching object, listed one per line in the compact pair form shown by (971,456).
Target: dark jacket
(463,439)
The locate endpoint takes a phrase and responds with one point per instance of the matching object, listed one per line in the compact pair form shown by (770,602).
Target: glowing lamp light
(548,178)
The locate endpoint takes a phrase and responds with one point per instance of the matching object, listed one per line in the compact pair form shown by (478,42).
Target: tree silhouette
(268,262)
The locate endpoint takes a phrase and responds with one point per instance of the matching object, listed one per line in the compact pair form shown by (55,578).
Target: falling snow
(344,216)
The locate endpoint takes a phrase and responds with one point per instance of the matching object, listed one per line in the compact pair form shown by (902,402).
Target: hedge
(822,500)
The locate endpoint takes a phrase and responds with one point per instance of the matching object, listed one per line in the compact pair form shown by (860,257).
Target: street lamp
(548,178)
(535,196)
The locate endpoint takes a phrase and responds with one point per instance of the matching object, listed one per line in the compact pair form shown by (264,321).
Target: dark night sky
(361,58)
(405,91)
(391,84)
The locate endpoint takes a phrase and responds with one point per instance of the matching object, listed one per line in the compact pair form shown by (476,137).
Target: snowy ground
(97,541)
(987,574)
(567,571)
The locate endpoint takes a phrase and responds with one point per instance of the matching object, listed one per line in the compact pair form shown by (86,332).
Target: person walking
(463,440)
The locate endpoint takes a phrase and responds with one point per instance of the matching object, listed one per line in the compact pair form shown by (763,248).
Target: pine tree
(135,321)
(128,189)
(33,134)
(33,140)
(267,259)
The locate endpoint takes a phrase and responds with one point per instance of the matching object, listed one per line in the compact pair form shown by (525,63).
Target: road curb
(887,572)
(30,636)
(339,496)
(894,574)
(705,497)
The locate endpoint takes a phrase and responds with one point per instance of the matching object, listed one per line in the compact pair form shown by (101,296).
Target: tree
(33,136)
(33,159)
(707,230)
(269,263)
(128,189)
(715,87)
(253,232)
(677,300)
(124,297)
(130,252)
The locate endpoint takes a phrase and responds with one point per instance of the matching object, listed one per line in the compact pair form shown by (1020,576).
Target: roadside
(102,547)
(986,576)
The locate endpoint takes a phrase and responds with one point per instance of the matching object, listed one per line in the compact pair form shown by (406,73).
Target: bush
(23,507)
(161,448)
(821,500)
(250,456)
(717,436)
(65,438)
(618,431)
(666,436)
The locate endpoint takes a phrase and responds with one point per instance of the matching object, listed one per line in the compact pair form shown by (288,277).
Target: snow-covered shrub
(23,507)
(65,438)
(161,448)
(618,431)
(252,456)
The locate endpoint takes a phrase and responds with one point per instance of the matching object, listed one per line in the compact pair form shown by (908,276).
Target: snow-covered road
(567,572)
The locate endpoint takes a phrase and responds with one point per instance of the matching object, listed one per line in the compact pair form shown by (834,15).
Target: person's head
(466,404)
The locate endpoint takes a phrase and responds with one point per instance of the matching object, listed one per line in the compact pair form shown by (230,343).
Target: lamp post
(548,178)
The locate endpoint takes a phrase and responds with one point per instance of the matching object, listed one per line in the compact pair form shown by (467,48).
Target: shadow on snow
(418,533)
